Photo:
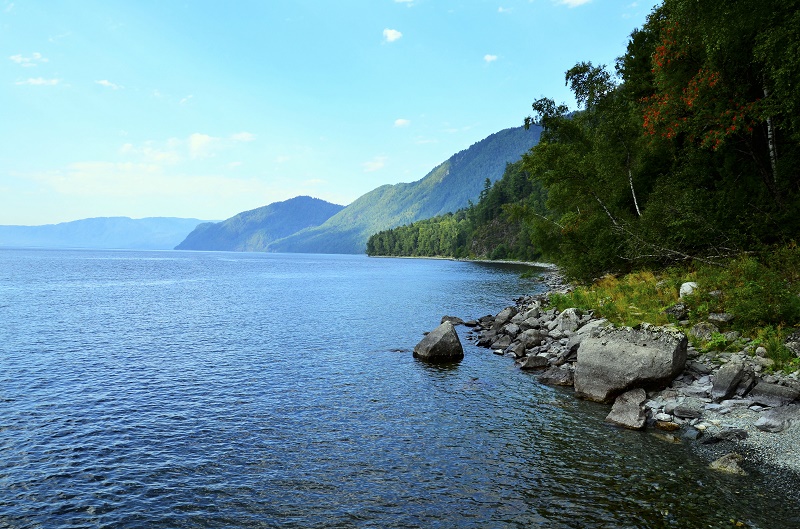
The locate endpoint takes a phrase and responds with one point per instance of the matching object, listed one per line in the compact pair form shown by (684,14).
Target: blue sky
(205,109)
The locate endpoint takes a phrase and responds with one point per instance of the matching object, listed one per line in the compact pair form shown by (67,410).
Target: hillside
(152,233)
(255,230)
(448,187)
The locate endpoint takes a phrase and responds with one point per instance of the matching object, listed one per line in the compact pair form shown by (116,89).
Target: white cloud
(108,84)
(502,9)
(243,136)
(28,62)
(9,7)
(39,81)
(186,99)
(409,2)
(200,145)
(572,3)
(376,164)
(391,35)
(282,159)
(234,165)
(489,58)
(399,123)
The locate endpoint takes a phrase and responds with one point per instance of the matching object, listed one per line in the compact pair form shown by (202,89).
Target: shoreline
(723,427)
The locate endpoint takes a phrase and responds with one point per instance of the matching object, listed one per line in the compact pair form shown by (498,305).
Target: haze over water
(172,389)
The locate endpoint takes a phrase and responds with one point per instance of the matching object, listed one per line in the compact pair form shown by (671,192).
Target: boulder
(628,410)
(679,311)
(778,419)
(729,463)
(455,320)
(727,380)
(720,317)
(533,362)
(555,376)
(774,395)
(440,345)
(569,320)
(504,317)
(704,331)
(687,288)
(621,358)
(532,337)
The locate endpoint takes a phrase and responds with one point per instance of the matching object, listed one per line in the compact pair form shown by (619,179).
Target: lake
(211,389)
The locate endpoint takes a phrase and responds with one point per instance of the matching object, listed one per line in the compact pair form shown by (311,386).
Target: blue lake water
(180,389)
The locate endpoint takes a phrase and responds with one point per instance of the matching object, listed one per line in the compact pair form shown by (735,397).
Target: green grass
(762,292)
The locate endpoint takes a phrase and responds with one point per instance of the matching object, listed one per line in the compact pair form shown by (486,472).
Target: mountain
(152,233)
(448,187)
(255,230)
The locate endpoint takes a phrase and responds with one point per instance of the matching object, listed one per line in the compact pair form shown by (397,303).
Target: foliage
(690,154)
(448,187)
(494,228)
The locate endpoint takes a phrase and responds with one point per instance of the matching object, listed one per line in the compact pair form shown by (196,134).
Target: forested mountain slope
(447,188)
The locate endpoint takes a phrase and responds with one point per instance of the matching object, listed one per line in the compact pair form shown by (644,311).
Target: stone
(692,434)
(686,412)
(720,318)
(532,337)
(761,351)
(511,329)
(727,380)
(555,376)
(502,342)
(455,320)
(687,288)
(778,419)
(533,362)
(517,349)
(679,311)
(698,367)
(729,463)
(621,358)
(569,320)
(704,331)
(628,410)
(504,317)
(440,345)
(667,426)
(773,395)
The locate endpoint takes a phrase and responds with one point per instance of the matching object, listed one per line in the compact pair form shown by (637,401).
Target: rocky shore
(722,403)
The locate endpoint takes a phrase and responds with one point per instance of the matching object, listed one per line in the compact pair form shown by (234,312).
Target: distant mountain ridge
(255,230)
(448,187)
(150,233)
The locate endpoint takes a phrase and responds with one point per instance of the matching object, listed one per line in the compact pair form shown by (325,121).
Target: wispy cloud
(572,3)
(409,3)
(376,164)
(28,62)
(391,35)
(243,136)
(9,7)
(489,58)
(186,99)
(399,123)
(39,81)
(502,9)
(108,84)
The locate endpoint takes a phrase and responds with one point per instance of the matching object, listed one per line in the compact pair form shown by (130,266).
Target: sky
(203,109)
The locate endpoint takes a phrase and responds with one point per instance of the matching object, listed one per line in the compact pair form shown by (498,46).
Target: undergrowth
(760,291)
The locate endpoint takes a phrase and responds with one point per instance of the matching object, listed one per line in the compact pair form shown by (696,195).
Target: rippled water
(172,389)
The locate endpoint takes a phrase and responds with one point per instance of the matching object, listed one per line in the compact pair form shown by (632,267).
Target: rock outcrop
(622,358)
(440,345)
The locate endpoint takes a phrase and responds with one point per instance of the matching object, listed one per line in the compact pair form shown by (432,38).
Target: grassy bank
(760,293)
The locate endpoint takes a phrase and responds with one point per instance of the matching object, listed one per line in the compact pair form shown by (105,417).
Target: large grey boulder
(440,345)
(504,317)
(768,394)
(778,419)
(569,320)
(628,410)
(727,380)
(621,358)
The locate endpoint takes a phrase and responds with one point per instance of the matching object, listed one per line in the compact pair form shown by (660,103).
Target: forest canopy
(686,150)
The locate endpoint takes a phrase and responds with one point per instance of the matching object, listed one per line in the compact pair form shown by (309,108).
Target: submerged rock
(729,463)
(440,345)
